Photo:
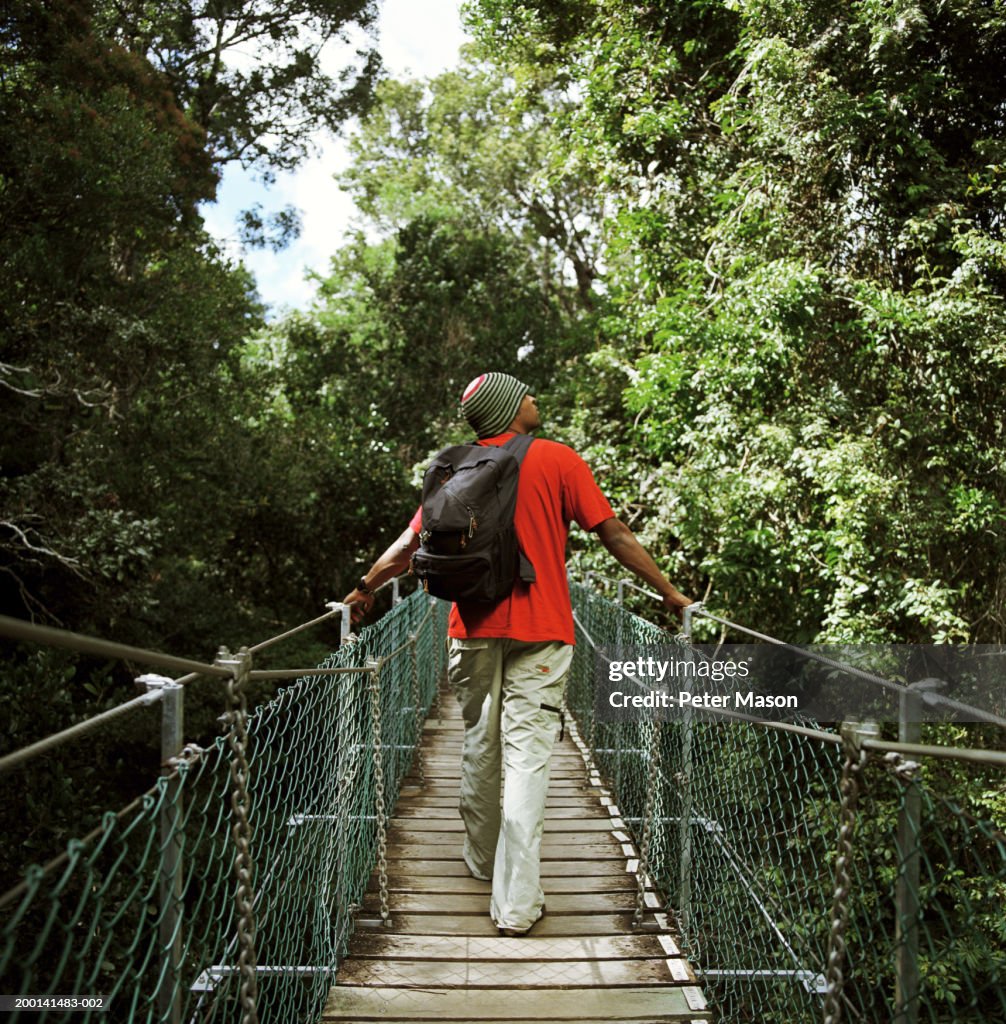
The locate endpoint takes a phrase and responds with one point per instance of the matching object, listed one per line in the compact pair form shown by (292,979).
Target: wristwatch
(363,588)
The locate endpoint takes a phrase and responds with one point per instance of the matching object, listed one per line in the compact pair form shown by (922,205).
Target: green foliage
(482,144)
(749,254)
(367,385)
(135,499)
(803,299)
(262,111)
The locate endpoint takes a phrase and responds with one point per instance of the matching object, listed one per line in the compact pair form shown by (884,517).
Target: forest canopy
(748,253)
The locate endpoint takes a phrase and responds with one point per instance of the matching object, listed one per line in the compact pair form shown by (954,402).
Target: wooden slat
(694,1019)
(649,1003)
(454,867)
(434,846)
(509,974)
(478,903)
(438,837)
(455,824)
(407,881)
(450,789)
(447,810)
(384,1019)
(562,756)
(466,947)
(480,925)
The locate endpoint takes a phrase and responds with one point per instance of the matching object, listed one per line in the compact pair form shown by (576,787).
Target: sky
(418,39)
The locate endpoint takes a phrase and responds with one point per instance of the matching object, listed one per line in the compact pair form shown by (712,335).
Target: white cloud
(417,39)
(420,38)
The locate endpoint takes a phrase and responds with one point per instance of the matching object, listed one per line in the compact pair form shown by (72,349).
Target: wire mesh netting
(143,909)
(743,833)
(742,824)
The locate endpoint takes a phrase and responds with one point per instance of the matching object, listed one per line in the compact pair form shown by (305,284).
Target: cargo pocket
(562,718)
(468,666)
(458,647)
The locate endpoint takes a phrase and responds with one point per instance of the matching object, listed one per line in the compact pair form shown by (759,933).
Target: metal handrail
(42,746)
(18,629)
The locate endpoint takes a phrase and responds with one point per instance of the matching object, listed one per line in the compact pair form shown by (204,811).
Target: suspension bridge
(306,865)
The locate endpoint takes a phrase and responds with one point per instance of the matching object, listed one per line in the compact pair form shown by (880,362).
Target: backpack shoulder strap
(518,446)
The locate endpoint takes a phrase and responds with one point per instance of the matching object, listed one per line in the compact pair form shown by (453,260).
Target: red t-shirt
(556,487)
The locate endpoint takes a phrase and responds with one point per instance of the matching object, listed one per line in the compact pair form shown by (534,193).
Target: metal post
(347,620)
(686,619)
(171,818)
(685,783)
(907,979)
(395,596)
(685,825)
(620,592)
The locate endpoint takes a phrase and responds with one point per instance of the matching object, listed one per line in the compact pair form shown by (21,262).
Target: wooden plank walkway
(442,958)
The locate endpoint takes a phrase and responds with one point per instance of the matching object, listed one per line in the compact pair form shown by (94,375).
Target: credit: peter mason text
(644,672)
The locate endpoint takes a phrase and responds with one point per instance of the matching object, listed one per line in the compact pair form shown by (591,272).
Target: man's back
(556,487)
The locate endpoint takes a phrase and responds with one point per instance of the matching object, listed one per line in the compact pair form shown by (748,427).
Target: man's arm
(392,563)
(622,543)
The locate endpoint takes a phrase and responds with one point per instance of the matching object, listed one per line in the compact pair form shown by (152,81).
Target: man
(508,661)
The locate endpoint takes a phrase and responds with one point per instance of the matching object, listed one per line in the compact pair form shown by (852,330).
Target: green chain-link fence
(742,824)
(146,909)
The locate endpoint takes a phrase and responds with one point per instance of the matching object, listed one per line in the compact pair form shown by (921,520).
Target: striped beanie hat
(491,402)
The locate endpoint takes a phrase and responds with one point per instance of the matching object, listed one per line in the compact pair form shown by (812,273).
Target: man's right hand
(677,602)
(392,563)
(359,603)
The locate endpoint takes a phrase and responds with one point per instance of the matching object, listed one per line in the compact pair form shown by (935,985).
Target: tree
(261,111)
(402,325)
(483,143)
(100,175)
(804,282)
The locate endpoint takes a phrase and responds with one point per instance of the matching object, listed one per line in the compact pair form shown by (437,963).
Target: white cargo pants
(506,688)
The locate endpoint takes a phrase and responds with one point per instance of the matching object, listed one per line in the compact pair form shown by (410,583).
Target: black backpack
(468,548)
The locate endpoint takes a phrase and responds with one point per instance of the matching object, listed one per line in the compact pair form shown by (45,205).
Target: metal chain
(592,725)
(379,806)
(436,710)
(855,760)
(418,710)
(244,867)
(644,844)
